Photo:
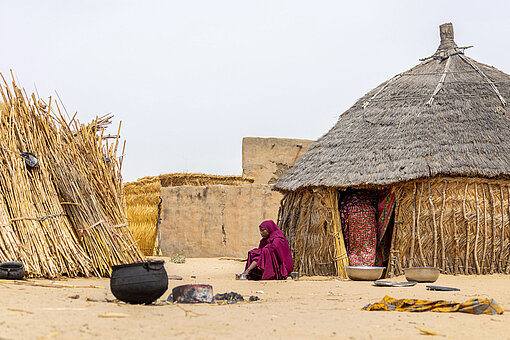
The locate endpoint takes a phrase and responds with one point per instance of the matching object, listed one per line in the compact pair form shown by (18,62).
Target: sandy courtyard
(311,308)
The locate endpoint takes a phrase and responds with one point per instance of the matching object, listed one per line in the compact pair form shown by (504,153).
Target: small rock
(74,297)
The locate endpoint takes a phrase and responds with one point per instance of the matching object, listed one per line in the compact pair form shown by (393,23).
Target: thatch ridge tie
(441,81)
(365,104)
(491,83)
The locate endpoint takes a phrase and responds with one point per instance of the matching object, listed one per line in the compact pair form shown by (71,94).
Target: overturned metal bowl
(364,273)
(421,274)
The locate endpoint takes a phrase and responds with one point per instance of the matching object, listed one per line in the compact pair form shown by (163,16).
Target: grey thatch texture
(445,116)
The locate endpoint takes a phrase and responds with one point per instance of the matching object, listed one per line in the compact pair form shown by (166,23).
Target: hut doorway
(367,220)
(311,220)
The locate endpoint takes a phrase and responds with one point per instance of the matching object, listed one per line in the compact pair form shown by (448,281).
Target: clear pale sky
(189,79)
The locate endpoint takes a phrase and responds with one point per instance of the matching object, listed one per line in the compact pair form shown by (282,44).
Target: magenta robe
(273,257)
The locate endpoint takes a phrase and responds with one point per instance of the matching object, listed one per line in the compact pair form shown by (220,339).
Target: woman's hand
(250,268)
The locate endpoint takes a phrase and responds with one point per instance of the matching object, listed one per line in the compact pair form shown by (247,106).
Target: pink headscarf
(278,242)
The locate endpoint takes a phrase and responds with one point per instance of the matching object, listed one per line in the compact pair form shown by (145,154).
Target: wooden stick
(493,259)
(397,230)
(418,234)
(466,260)
(455,236)
(475,250)
(443,252)
(307,231)
(413,231)
(507,269)
(485,241)
(342,259)
(502,242)
(433,213)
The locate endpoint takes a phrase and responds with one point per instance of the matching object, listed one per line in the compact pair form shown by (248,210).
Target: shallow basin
(364,273)
(421,274)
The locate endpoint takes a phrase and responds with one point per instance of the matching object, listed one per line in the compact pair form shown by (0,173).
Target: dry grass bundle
(143,205)
(73,169)
(172,180)
(311,224)
(461,225)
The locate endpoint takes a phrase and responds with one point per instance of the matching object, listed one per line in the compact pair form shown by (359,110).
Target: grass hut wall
(438,136)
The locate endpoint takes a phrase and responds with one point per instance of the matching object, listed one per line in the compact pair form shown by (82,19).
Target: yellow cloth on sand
(473,306)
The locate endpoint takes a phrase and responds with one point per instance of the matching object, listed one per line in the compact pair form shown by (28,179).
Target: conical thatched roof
(446,116)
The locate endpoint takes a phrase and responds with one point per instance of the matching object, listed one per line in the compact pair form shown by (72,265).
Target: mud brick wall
(216,220)
(267,159)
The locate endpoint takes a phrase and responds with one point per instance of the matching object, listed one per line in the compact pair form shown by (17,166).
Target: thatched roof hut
(438,135)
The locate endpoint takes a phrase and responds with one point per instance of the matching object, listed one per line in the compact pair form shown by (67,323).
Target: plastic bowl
(421,274)
(364,273)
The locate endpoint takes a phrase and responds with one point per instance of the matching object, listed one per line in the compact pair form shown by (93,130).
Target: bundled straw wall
(458,224)
(311,223)
(461,225)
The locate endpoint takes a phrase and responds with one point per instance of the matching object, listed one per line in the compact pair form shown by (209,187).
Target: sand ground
(310,308)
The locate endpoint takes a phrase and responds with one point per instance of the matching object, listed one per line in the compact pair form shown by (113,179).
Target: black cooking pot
(139,282)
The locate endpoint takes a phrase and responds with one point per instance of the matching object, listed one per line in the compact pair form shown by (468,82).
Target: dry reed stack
(65,215)
(93,208)
(36,231)
(143,202)
(438,136)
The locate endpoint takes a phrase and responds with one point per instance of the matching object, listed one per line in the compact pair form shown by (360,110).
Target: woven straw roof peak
(446,116)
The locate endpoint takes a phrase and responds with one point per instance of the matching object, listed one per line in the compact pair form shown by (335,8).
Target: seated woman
(272,260)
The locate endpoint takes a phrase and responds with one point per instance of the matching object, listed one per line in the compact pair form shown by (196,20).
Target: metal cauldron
(139,282)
